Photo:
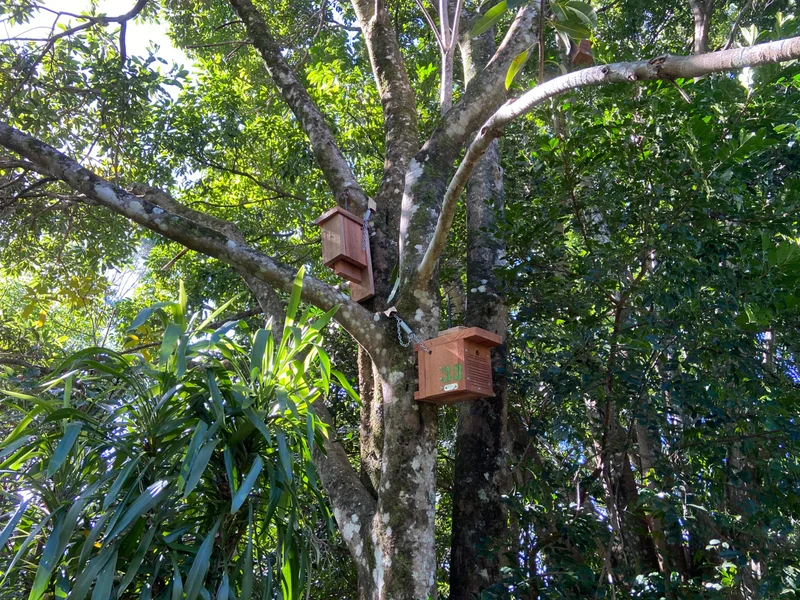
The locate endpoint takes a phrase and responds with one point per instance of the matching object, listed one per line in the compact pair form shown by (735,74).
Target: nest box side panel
(365,288)
(333,240)
(354,243)
(478,368)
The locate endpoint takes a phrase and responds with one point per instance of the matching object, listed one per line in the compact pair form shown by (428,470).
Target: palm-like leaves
(187,476)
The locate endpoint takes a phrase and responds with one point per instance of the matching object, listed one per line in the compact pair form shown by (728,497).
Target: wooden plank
(365,290)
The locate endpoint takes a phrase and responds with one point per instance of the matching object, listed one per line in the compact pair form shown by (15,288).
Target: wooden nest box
(459,366)
(343,251)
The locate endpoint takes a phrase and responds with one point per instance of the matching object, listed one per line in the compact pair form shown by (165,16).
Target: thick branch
(326,151)
(353,506)
(198,231)
(428,171)
(662,67)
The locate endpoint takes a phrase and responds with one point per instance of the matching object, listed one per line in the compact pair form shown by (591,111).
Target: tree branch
(90,21)
(427,176)
(330,159)
(204,233)
(352,504)
(662,67)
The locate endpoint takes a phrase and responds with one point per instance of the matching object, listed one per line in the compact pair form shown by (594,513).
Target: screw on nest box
(457,366)
(344,250)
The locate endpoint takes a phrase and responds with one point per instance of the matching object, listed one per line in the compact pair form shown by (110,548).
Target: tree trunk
(701,13)
(481,472)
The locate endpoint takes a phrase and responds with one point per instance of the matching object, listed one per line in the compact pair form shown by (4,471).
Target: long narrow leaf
(47,562)
(86,577)
(257,352)
(71,432)
(177,582)
(105,579)
(136,562)
(486,22)
(12,523)
(168,345)
(294,298)
(285,455)
(259,424)
(146,500)
(247,560)
(116,487)
(191,452)
(194,580)
(247,484)
(24,546)
(199,466)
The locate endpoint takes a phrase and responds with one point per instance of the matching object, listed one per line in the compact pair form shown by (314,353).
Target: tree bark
(701,13)
(481,474)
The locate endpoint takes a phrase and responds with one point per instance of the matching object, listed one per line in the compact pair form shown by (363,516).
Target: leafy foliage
(189,473)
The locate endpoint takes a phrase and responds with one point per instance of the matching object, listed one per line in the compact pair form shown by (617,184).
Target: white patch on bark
(376,317)
(396,377)
(107,194)
(419,315)
(231,244)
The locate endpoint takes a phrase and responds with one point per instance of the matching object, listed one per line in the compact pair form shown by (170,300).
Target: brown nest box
(343,250)
(459,366)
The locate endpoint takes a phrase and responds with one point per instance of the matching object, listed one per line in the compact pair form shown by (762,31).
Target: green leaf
(583,11)
(224,587)
(247,484)
(257,352)
(12,523)
(285,455)
(487,21)
(259,424)
(105,579)
(216,313)
(86,577)
(345,384)
(141,318)
(24,546)
(574,30)
(515,67)
(62,585)
(322,321)
(168,345)
(47,562)
(199,466)
(294,298)
(116,487)
(67,391)
(227,456)
(177,582)
(194,580)
(146,500)
(71,432)
(191,452)
(247,560)
(91,538)
(136,562)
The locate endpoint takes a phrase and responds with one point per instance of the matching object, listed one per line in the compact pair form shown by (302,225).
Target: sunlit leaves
(189,440)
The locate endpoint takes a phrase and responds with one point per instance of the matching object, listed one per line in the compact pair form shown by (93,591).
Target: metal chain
(365,227)
(412,337)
